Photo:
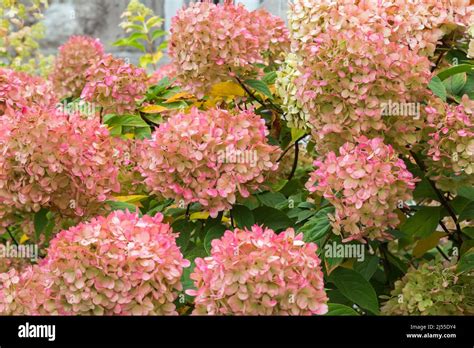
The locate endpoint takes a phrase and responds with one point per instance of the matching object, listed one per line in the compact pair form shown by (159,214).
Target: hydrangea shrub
(267,169)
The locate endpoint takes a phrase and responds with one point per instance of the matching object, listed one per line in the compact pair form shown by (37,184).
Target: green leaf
(303,215)
(357,289)
(466,262)
(469,87)
(185,228)
(438,88)
(467,213)
(259,86)
(124,120)
(272,199)
(337,309)
(154,21)
(466,191)
(187,282)
(215,232)
(316,227)
(157,33)
(423,222)
(270,78)
(272,218)
(243,216)
(142,132)
(137,36)
(468,231)
(115,205)
(455,83)
(457,69)
(368,267)
(40,221)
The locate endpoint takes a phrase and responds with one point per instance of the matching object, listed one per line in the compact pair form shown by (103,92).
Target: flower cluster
(286,89)
(417,24)
(114,85)
(210,43)
(347,78)
(19,90)
(23,293)
(51,159)
(121,265)
(451,145)
(74,58)
(365,183)
(208,157)
(431,289)
(259,272)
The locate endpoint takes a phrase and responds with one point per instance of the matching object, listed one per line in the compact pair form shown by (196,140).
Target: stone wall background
(100,18)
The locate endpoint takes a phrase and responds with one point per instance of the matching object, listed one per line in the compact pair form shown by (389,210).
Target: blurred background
(100,19)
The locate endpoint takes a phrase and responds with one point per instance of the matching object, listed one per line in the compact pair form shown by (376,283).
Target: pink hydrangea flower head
(208,157)
(25,292)
(116,265)
(417,24)
(211,42)
(54,160)
(451,145)
(74,58)
(347,78)
(115,85)
(259,272)
(19,90)
(366,183)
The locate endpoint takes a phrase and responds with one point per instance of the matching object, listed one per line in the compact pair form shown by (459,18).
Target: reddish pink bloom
(366,183)
(207,157)
(19,90)
(74,58)
(114,85)
(259,272)
(211,42)
(51,159)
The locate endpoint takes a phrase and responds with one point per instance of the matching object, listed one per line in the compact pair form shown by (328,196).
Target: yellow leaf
(201,215)
(24,238)
(157,56)
(153,109)
(179,96)
(296,133)
(428,243)
(130,199)
(227,89)
(129,135)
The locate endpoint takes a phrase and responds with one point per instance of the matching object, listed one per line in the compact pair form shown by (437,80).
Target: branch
(442,199)
(289,147)
(386,264)
(254,97)
(11,236)
(442,253)
(295,161)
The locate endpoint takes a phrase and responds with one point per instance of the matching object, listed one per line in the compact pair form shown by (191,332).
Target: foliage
(144,32)
(19,41)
